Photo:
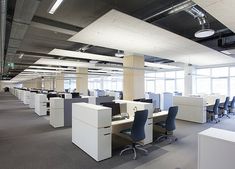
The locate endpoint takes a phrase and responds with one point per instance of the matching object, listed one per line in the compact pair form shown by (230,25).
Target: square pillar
(82,81)
(189,80)
(59,83)
(133,77)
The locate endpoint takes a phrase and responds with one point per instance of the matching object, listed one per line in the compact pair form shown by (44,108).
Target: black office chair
(168,125)
(232,106)
(224,108)
(214,112)
(136,132)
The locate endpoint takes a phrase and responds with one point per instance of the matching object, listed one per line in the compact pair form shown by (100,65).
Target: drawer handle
(106,134)
(107,127)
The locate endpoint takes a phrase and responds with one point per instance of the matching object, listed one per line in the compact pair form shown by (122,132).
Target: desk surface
(131,119)
(219,134)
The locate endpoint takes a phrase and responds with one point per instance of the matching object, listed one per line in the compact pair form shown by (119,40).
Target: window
(170,75)
(203,72)
(232,71)
(160,86)
(160,75)
(232,89)
(164,81)
(119,85)
(73,84)
(219,72)
(180,85)
(170,85)
(150,86)
(180,74)
(66,84)
(220,86)
(203,85)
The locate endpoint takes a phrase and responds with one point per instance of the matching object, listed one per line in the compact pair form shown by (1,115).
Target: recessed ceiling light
(55,6)
(203,33)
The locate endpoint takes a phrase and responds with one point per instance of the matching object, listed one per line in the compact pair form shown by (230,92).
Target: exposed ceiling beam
(56,26)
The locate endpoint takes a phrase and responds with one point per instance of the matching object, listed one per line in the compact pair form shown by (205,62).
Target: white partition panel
(191,108)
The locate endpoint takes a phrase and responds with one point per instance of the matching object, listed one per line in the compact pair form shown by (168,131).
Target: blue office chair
(224,108)
(232,106)
(214,112)
(136,132)
(168,125)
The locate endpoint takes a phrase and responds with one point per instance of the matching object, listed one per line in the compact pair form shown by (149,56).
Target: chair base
(214,118)
(166,137)
(134,147)
(225,113)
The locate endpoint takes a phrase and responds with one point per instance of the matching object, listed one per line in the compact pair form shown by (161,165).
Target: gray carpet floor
(27,141)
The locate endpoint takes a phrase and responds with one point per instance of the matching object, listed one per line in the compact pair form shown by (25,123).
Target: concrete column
(59,83)
(48,83)
(82,81)
(133,77)
(38,83)
(189,80)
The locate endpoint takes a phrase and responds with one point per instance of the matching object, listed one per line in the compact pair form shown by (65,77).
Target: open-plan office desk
(92,131)
(131,119)
(119,125)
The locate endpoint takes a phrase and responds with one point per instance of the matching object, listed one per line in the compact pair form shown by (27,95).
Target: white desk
(191,108)
(57,112)
(119,125)
(216,149)
(41,104)
(130,120)
(32,100)
(91,129)
(26,98)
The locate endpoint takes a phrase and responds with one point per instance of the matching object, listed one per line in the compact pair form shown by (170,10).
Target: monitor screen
(115,107)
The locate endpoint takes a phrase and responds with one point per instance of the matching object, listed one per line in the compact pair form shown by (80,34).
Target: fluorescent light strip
(82,55)
(55,6)
(53,68)
(158,65)
(40,70)
(57,62)
(117,30)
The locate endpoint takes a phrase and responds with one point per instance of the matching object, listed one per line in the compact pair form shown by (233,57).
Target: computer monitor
(147,100)
(138,100)
(49,95)
(115,107)
(76,95)
(144,100)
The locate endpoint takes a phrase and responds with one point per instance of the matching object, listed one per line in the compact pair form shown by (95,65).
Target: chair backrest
(170,120)
(216,106)
(226,103)
(137,130)
(233,103)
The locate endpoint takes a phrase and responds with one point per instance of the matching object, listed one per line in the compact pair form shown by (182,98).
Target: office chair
(168,125)
(232,106)
(224,108)
(214,112)
(136,132)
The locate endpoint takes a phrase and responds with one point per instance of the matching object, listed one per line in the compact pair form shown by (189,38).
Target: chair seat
(126,131)
(221,107)
(210,110)
(161,124)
